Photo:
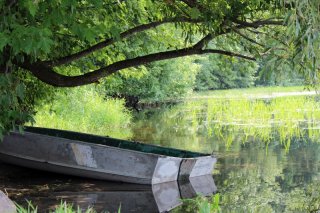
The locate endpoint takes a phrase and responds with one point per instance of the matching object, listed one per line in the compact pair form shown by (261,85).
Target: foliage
(200,204)
(303,23)
(13,107)
(156,82)
(85,110)
(103,31)
(219,72)
(55,40)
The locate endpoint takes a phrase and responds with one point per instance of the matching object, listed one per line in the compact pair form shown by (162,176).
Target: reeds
(279,119)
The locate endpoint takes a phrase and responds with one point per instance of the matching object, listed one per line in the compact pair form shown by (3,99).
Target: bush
(85,110)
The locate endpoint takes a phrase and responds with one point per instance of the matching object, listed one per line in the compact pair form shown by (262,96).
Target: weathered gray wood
(6,205)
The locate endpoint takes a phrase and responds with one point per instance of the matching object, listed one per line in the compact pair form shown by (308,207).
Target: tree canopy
(103,37)
(68,43)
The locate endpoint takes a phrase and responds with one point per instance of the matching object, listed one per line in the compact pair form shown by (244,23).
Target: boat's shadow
(46,190)
(155,198)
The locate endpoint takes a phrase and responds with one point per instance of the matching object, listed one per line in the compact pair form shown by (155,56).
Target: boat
(99,157)
(6,205)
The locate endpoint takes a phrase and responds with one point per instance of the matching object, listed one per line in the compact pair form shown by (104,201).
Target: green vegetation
(85,110)
(219,72)
(157,82)
(62,208)
(254,92)
(278,118)
(200,204)
(236,116)
(84,42)
(113,43)
(12,102)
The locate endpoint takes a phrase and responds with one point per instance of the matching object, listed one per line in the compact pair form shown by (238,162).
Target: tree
(72,43)
(41,37)
(219,72)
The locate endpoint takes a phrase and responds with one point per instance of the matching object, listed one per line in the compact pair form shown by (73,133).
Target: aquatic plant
(266,119)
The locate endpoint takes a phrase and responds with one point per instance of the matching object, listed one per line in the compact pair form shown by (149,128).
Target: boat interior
(108,141)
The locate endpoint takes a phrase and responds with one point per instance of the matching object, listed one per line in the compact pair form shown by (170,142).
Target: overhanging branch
(49,76)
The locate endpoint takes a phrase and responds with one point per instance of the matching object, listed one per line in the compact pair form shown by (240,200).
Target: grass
(279,119)
(85,110)
(246,92)
(62,208)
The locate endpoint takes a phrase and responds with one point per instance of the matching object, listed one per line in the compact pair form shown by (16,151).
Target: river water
(251,176)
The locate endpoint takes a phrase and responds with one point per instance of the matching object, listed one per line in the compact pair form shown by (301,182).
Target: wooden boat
(6,205)
(100,157)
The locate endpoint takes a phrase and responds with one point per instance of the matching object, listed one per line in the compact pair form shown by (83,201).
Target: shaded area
(46,190)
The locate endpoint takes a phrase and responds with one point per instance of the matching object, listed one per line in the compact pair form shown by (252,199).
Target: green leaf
(32,6)
(195,13)
(4,40)
(20,90)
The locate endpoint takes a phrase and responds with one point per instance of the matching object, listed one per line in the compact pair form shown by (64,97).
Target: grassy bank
(243,114)
(85,110)
(247,92)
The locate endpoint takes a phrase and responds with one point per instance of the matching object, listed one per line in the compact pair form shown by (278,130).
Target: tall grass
(274,119)
(247,92)
(85,110)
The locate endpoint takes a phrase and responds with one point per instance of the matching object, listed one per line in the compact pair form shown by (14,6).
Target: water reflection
(252,175)
(46,190)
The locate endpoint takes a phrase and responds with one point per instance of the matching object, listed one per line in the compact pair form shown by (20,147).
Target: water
(250,176)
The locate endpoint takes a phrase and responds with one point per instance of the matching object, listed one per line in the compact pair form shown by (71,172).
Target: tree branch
(247,37)
(257,24)
(109,41)
(203,41)
(46,73)
(49,76)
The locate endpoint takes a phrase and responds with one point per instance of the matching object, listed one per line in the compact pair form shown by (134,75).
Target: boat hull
(79,158)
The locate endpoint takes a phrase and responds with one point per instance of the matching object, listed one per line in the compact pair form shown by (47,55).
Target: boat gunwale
(184,152)
(98,145)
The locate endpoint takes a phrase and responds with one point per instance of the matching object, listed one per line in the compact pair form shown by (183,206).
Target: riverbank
(242,93)
(255,92)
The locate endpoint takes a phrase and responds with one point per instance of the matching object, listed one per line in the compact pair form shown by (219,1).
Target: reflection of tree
(173,127)
(256,181)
